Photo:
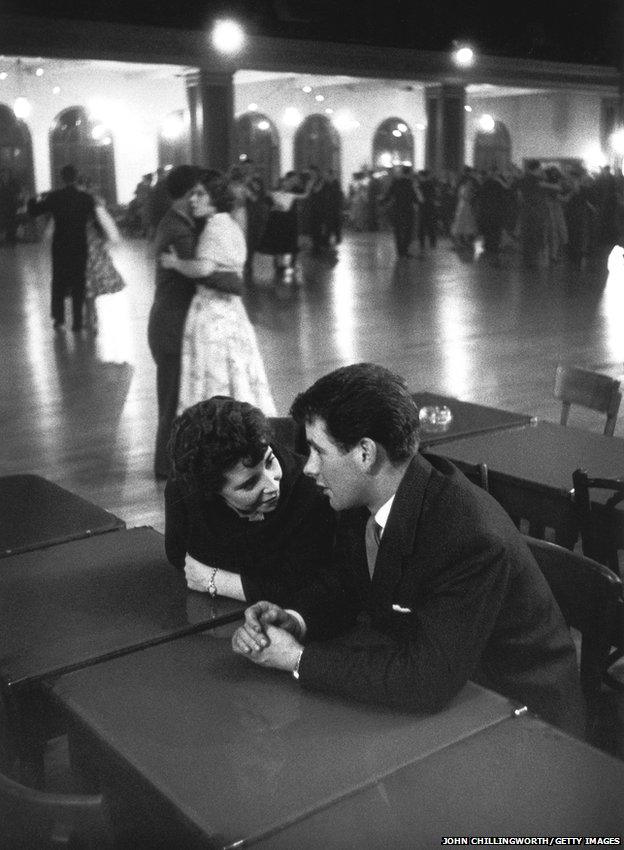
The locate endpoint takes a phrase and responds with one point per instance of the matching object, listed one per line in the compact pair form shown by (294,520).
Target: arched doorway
(174,139)
(87,144)
(257,139)
(16,149)
(317,143)
(492,148)
(393,144)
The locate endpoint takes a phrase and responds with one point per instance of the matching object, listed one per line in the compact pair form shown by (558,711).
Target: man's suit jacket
(456,595)
(71,209)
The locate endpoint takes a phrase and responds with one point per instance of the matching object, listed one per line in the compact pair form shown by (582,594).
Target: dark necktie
(372,537)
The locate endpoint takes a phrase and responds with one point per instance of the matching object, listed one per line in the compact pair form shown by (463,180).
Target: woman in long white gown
(220,354)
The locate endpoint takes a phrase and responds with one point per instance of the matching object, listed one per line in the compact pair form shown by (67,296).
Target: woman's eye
(270,461)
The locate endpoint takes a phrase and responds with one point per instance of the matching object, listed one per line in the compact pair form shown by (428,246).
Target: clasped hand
(267,637)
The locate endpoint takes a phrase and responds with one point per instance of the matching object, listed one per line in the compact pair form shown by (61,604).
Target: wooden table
(530,470)
(519,777)
(76,604)
(35,512)
(207,749)
(468,418)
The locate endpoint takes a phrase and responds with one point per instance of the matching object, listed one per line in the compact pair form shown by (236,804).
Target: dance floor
(80,409)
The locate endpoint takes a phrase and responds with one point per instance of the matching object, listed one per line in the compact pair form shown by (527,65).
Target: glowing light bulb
(292,116)
(22,108)
(487,123)
(464,57)
(228,36)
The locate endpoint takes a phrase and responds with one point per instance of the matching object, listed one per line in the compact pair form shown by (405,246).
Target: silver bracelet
(212,587)
(295,672)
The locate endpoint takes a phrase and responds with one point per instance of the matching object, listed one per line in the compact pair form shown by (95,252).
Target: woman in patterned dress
(220,354)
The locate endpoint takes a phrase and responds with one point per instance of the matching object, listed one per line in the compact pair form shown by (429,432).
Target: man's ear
(367,453)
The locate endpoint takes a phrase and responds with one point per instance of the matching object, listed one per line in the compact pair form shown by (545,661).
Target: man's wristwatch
(212,587)
(295,672)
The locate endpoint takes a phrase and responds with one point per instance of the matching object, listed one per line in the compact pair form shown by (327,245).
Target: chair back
(526,508)
(591,600)
(590,390)
(31,818)
(601,524)
(478,473)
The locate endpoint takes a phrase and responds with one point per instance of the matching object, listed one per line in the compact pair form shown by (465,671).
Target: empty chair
(601,524)
(590,390)
(36,819)
(591,599)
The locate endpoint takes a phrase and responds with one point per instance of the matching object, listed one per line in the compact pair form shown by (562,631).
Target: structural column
(445,128)
(211,106)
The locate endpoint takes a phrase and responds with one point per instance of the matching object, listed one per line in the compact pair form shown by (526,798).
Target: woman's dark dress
(278,558)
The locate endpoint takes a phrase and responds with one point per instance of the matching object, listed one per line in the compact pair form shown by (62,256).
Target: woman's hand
(281,651)
(169,260)
(197,574)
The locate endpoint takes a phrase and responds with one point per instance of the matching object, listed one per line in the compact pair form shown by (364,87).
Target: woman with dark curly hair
(241,518)
(220,352)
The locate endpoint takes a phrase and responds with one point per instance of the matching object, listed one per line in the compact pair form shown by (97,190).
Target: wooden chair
(479,474)
(591,599)
(528,509)
(37,819)
(588,389)
(601,525)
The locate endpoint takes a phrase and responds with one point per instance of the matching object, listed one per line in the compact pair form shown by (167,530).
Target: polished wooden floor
(80,409)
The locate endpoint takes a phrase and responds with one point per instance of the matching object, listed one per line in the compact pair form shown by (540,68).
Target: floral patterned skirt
(220,354)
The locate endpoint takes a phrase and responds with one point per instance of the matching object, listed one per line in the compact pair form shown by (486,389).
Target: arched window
(16,149)
(317,143)
(87,144)
(393,144)
(492,148)
(257,139)
(174,139)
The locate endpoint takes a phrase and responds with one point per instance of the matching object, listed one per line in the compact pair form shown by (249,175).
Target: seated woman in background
(241,518)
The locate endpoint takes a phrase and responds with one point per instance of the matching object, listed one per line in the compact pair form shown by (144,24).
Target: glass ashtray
(435,419)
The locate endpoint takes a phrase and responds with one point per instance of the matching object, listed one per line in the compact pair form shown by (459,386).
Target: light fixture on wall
(227,36)
(22,74)
(22,108)
(292,116)
(486,123)
(21,105)
(463,54)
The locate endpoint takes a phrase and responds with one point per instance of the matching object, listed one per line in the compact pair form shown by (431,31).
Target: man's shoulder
(173,225)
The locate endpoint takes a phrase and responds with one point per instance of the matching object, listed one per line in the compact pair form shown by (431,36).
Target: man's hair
(211,437)
(68,174)
(181,179)
(363,400)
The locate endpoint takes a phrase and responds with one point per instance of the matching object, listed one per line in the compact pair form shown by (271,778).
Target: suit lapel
(398,539)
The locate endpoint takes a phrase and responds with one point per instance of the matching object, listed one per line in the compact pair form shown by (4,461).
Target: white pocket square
(401,610)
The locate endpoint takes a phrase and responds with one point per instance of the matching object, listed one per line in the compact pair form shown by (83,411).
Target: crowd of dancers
(545,213)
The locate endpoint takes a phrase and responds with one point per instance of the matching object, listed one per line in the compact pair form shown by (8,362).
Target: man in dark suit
(71,209)
(434,584)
